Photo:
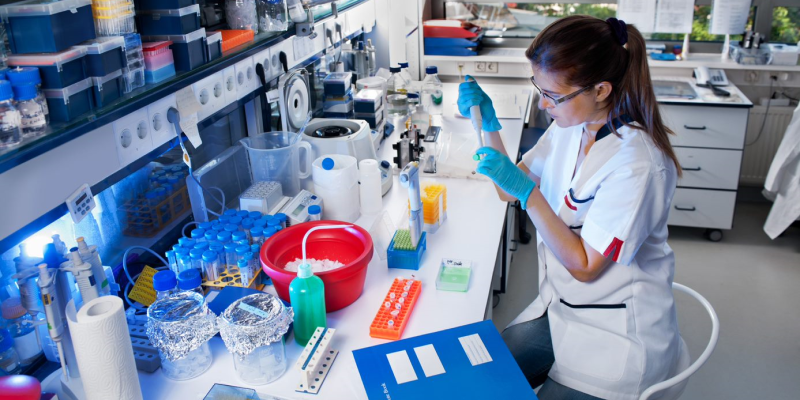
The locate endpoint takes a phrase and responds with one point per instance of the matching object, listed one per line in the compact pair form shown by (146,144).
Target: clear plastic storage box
(214,45)
(104,55)
(70,102)
(58,70)
(108,88)
(189,51)
(44,26)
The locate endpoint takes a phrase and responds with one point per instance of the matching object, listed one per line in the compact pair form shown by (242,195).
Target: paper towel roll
(104,350)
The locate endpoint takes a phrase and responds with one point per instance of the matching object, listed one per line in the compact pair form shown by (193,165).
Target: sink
(674,90)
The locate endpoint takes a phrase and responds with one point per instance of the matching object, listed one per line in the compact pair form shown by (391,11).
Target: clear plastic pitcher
(275,156)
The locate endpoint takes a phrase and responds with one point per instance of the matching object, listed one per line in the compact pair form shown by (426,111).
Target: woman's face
(584,107)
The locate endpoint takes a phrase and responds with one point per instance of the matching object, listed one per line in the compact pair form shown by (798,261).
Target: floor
(752,282)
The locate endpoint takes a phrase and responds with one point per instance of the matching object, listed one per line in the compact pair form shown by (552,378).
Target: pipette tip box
(406,259)
(380,327)
(69,103)
(47,27)
(108,88)
(179,21)
(104,55)
(189,51)
(163,4)
(158,75)
(213,45)
(337,83)
(454,275)
(58,70)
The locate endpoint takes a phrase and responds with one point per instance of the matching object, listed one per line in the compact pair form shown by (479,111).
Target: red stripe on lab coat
(616,248)
(571,207)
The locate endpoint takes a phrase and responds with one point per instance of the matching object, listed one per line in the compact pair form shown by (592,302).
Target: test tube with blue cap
(239,237)
(210,235)
(237,220)
(231,227)
(202,245)
(257,235)
(242,213)
(197,258)
(269,232)
(230,212)
(314,213)
(186,242)
(172,260)
(246,225)
(244,271)
(282,218)
(241,251)
(254,215)
(224,237)
(185,262)
(230,253)
(274,223)
(261,223)
(205,225)
(198,234)
(211,265)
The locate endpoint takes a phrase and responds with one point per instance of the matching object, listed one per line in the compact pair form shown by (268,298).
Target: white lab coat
(617,335)
(783,181)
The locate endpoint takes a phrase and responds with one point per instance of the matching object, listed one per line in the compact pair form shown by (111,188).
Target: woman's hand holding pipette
(470,94)
(507,176)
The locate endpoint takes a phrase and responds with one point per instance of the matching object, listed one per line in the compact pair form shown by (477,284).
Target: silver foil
(179,324)
(244,329)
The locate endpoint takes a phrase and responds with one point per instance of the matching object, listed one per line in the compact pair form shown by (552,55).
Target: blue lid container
(314,210)
(210,256)
(241,250)
(216,247)
(198,233)
(25,92)
(186,242)
(260,223)
(189,51)
(164,280)
(189,279)
(169,21)
(254,215)
(211,235)
(255,248)
(281,217)
(69,103)
(58,70)
(230,212)
(202,245)
(231,228)
(256,232)
(108,88)
(247,223)
(196,254)
(159,4)
(163,73)
(23,76)
(180,251)
(44,26)
(224,237)
(104,55)
(235,220)
(204,225)
(231,247)
(213,45)
(269,232)
(243,213)
(274,222)
(238,235)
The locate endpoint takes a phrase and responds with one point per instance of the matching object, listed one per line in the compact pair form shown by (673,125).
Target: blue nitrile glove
(505,174)
(470,94)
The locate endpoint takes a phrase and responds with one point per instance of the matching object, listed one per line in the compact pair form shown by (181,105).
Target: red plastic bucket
(350,246)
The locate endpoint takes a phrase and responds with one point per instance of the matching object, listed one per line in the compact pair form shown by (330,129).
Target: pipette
(53,311)
(409,178)
(83,276)
(477,122)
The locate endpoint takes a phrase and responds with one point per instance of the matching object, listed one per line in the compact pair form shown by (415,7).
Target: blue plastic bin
(189,51)
(58,70)
(162,4)
(213,45)
(160,74)
(71,102)
(104,55)
(43,26)
(405,259)
(169,22)
(108,88)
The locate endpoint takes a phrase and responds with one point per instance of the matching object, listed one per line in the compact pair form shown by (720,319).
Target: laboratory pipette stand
(407,247)
(316,360)
(408,148)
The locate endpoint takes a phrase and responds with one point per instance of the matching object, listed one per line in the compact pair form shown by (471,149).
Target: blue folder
(451,51)
(447,42)
(474,364)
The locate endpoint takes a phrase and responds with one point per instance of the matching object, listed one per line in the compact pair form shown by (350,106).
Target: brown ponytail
(586,51)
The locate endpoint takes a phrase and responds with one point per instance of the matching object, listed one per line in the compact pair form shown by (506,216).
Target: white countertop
(472,231)
(705,97)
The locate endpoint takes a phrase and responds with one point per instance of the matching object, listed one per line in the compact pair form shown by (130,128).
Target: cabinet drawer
(711,127)
(711,169)
(702,208)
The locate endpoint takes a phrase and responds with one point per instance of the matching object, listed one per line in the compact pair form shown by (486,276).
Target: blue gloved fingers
(465,102)
(488,151)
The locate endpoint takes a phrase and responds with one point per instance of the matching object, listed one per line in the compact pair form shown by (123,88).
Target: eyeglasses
(562,99)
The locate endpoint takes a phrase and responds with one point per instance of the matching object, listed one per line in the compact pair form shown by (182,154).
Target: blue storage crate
(58,70)
(407,259)
(189,51)
(160,74)
(104,55)
(43,26)
(108,88)
(169,22)
(213,46)
(71,102)
(162,4)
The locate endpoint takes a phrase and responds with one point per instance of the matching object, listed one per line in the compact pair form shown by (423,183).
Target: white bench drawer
(711,169)
(710,127)
(702,208)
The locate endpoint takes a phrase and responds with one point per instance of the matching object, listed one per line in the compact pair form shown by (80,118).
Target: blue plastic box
(160,74)
(189,51)
(58,70)
(169,22)
(405,259)
(104,55)
(43,26)
(108,88)
(213,46)
(71,102)
(162,4)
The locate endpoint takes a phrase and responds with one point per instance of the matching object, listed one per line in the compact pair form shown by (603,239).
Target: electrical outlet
(210,92)
(132,135)
(229,85)
(751,76)
(246,78)
(491,67)
(480,67)
(160,129)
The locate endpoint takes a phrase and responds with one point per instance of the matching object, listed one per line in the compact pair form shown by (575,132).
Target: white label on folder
(431,364)
(475,349)
(401,367)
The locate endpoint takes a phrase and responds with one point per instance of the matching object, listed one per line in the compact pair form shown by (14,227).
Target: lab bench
(473,231)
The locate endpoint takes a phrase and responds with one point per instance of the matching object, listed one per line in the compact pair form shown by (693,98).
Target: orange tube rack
(380,327)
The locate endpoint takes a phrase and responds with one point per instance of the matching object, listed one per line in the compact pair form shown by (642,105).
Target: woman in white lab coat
(598,187)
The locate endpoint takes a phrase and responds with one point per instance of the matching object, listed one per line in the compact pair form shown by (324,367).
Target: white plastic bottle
(432,92)
(370,190)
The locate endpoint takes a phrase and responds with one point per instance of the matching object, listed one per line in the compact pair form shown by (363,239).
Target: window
(785,25)
(700,25)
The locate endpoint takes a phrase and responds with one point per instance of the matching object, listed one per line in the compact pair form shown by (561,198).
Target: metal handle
(685,208)
(691,169)
(695,128)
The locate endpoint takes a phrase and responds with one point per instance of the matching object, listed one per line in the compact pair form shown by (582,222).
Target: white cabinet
(708,141)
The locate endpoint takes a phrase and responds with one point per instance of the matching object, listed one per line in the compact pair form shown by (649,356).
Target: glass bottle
(10,134)
(19,76)
(9,360)
(397,94)
(32,117)
(190,281)
(20,325)
(404,72)
(165,284)
(432,91)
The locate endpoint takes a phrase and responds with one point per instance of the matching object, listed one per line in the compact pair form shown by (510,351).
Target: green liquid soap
(307,295)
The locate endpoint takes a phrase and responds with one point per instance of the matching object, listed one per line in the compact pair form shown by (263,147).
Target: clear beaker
(275,156)
(264,365)
(192,365)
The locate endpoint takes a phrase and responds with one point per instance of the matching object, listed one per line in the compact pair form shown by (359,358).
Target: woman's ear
(602,91)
